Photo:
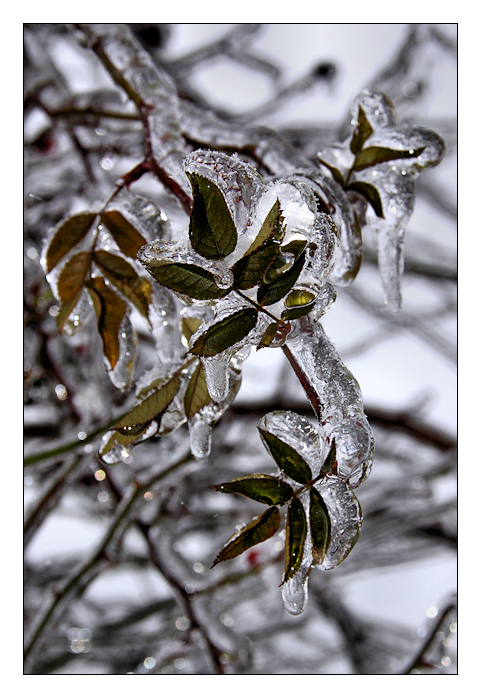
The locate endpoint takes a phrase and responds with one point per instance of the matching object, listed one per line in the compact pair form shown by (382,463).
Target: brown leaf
(110,310)
(125,235)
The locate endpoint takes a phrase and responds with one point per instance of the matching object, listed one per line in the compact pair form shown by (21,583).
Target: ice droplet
(295,592)
(200,436)
(217,377)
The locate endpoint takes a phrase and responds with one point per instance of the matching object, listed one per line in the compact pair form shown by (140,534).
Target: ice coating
(121,374)
(295,591)
(200,430)
(342,504)
(151,221)
(239,183)
(346,520)
(164,323)
(216,376)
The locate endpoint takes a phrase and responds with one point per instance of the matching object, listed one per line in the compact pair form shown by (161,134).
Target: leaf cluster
(366,157)
(112,282)
(276,492)
(268,265)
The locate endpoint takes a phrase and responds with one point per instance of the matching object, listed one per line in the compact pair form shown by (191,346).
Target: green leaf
(268,336)
(249,270)
(225,333)
(330,461)
(124,277)
(259,530)
(270,230)
(320,525)
(377,154)
(152,406)
(276,290)
(67,235)
(369,192)
(262,488)
(211,230)
(298,303)
(70,284)
(294,247)
(110,310)
(287,458)
(296,531)
(188,279)
(190,325)
(361,133)
(337,174)
(197,395)
(125,235)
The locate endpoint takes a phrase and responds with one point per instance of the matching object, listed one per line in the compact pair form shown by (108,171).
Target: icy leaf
(320,525)
(152,406)
(377,154)
(196,395)
(70,283)
(287,458)
(249,270)
(211,230)
(268,335)
(257,531)
(361,133)
(262,488)
(296,530)
(190,325)
(225,333)
(336,173)
(110,310)
(346,519)
(270,230)
(330,461)
(369,192)
(124,277)
(125,235)
(298,303)
(294,247)
(66,236)
(276,290)
(188,279)
(117,441)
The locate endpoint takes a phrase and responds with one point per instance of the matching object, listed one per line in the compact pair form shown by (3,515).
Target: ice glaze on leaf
(336,173)
(70,283)
(211,230)
(375,154)
(197,395)
(225,333)
(298,304)
(257,531)
(152,406)
(369,192)
(361,133)
(249,270)
(320,525)
(188,279)
(262,488)
(67,235)
(330,461)
(110,310)
(124,277)
(276,290)
(189,326)
(268,336)
(287,458)
(296,530)
(125,235)
(270,230)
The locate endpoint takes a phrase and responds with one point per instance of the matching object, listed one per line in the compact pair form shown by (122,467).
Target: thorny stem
(99,558)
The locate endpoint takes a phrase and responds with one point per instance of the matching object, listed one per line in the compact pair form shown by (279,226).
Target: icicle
(346,520)
(217,376)
(121,374)
(164,322)
(295,591)
(200,436)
